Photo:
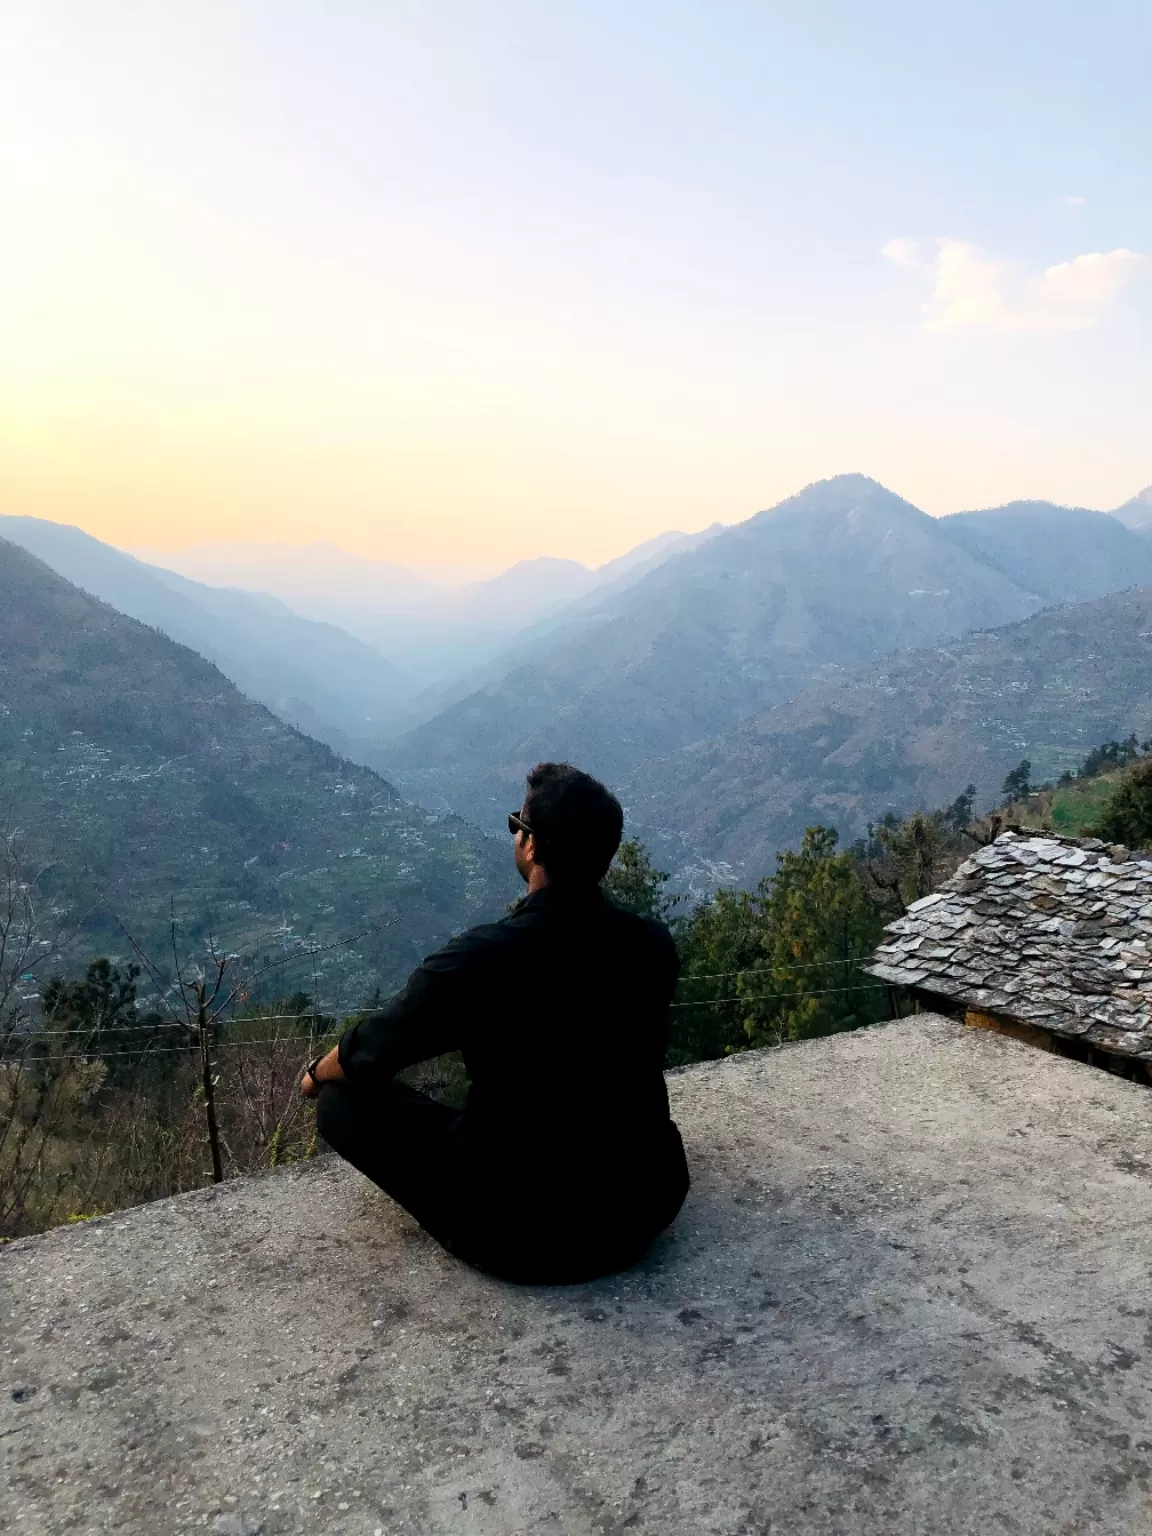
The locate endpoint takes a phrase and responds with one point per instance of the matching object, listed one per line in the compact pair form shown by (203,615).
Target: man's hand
(328,1070)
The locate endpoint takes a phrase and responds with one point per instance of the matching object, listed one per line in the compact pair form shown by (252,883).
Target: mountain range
(839,574)
(434,633)
(138,775)
(912,729)
(834,657)
(295,652)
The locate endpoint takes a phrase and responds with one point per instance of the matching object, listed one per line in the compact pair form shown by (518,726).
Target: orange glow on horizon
(221,318)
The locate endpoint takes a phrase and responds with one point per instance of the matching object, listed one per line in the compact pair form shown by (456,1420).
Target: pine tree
(1127,815)
(818,929)
(634,883)
(1018,783)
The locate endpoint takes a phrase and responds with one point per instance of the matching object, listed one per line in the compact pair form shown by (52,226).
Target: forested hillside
(911,730)
(139,776)
(838,574)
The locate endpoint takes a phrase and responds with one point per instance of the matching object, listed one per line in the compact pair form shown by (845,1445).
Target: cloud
(1079,289)
(969,290)
(905,253)
(973,291)
(1074,202)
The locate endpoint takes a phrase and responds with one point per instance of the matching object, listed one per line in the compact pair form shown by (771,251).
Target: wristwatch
(310,1070)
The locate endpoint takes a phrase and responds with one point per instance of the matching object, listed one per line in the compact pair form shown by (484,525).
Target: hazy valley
(792,599)
(833,658)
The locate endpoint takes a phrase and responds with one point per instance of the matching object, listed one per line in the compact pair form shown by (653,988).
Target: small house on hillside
(1045,938)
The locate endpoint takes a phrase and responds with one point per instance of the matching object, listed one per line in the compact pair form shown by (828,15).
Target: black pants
(418,1152)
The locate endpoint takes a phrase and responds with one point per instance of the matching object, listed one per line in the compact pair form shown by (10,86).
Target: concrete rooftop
(910,1293)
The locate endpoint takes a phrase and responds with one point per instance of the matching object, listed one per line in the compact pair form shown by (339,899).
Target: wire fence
(691,977)
(102,1106)
(783,997)
(97,1126)
(237,1045)
(245,1018)
(107,1108)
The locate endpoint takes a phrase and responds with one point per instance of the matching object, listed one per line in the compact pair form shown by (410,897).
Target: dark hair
(576,821)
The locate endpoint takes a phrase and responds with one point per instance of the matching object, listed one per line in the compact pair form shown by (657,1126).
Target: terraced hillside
(910,730)
(142,778)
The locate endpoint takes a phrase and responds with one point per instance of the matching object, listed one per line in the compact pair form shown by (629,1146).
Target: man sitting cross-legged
(564,1163)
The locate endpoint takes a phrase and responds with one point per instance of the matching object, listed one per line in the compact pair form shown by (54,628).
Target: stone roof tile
(1050,929)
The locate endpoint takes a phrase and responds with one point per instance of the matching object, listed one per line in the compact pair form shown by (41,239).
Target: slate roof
(1051,931)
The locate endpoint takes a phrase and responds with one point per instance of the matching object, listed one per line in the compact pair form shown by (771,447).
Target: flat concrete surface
(910,1293)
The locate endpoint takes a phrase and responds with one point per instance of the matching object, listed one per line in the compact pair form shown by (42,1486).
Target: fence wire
(97,1118)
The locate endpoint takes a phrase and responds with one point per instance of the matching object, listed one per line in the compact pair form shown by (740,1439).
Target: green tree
(1112,754)
(1018,783)
(959,814)
(100,1001)
(819,927)
(903,861)
(718,943)
(96,1015)
(634,883)
(1127,814)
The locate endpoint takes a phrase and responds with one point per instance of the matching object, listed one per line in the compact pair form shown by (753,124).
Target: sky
(456,283)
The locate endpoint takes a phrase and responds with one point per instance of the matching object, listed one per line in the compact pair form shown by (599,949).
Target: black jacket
(560,1011)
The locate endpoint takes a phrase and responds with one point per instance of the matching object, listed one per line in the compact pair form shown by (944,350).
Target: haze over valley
(795,597)
(806,664)
(432,631)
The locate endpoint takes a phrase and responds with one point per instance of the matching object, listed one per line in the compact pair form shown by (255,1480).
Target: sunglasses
(516,823)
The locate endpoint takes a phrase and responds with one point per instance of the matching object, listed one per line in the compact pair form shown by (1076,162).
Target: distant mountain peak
(838,492)
(852,481)
(1137,513)
(847,480)
(1031,508)
(745,619)
(540,563)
